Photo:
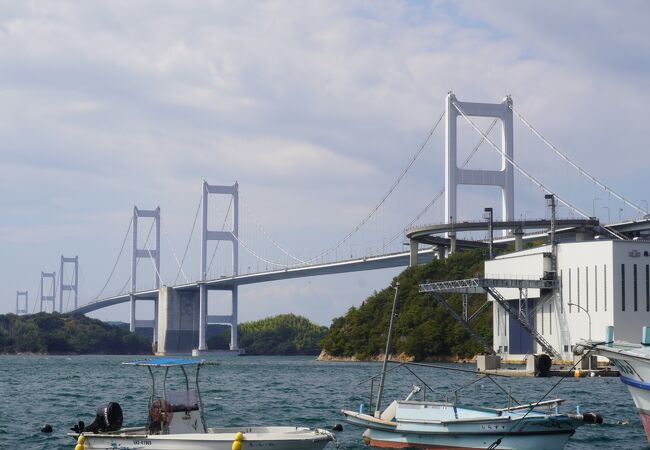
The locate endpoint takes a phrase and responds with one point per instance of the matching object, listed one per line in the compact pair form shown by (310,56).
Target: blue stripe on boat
(635,383)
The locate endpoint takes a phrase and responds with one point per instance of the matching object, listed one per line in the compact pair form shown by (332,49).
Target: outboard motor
(109,418)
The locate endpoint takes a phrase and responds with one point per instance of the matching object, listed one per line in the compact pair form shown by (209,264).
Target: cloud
(314,108)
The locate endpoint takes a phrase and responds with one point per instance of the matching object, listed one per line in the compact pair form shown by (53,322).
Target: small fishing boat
(175,421)
(449,425)
(633,362)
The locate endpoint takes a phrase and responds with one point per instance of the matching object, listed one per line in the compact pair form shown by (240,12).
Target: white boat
(633,362)
(175,421)
(445,425)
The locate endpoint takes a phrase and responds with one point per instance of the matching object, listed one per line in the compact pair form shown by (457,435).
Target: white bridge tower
(454,176)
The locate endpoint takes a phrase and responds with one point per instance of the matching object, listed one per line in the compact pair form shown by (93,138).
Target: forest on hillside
(54,333)
(285,334)
(423,328)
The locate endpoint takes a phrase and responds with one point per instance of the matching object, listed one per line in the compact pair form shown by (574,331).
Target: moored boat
(633,362)
(450,425)
(175,421)
(445,425)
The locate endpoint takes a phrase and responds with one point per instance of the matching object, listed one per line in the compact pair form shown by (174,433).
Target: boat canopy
(166,362)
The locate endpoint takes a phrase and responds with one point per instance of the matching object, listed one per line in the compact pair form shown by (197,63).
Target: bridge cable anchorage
(126,236)
(442,191)
(526,174)
(385,197)
(175,256)
(576,166)
(223,227)
(264,232)
(189,240)
(146,246)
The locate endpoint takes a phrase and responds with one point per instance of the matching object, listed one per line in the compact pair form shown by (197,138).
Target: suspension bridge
(180,307)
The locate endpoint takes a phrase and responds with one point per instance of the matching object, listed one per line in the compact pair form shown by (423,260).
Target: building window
(622,287)
(578,288)
(562,290)
(587,288)
(636,304)
(505,349)
(499,324)
(605,286)
(570,291)
(647,287)
(566,349)
(596,288)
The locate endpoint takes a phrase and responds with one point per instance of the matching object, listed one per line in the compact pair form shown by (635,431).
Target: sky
(315,109)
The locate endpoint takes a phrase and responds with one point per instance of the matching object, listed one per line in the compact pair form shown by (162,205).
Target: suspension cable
(146,246)
(180,267)
(137,260)
(189,240)
(261,228)
(576,166)
(126,235)
(261,258)
(442,191)
(532,178)
(383,200)
(223,227)
(518,167)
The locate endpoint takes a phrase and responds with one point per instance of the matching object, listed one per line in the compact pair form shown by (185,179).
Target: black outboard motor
(109,418)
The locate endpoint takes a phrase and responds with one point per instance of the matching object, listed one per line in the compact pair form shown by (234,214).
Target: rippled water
(271,390)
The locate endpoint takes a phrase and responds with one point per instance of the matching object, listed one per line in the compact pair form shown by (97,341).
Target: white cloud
(313,107)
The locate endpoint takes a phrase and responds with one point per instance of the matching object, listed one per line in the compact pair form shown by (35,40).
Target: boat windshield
(171,389)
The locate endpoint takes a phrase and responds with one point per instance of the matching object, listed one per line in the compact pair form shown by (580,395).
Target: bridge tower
(454,176)
(149,253)
(74,286)
(208,235)
(52,292)
(24,295)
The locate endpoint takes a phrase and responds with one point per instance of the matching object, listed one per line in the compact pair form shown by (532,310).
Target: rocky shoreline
(402,357)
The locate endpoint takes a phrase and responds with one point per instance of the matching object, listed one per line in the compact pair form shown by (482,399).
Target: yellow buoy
(236,444)
(81,439)
(577,374)
(79,447)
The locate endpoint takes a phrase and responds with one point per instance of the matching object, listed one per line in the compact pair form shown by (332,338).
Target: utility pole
(489,216)
(550,201)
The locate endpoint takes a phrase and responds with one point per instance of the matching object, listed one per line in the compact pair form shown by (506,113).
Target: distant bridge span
(387,261)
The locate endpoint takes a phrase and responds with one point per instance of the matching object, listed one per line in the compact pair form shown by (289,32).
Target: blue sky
(314,108)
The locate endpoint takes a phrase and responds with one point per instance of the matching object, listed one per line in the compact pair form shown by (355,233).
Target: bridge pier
(178,321)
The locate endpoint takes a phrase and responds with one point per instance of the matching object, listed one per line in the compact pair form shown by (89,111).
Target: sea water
(295,391)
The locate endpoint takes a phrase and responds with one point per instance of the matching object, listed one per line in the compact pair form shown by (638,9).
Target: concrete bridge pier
(178,321)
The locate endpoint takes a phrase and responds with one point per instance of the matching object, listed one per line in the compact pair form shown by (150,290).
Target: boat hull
(261,438)
(633,362)
(518,441)
(431,427)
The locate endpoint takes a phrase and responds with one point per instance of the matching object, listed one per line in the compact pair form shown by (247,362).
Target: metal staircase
(548,348)
(464,323)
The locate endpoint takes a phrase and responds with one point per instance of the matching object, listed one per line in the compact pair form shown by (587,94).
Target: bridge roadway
(390,260)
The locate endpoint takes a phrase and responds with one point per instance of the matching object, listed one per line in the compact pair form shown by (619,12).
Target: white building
(609,280)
